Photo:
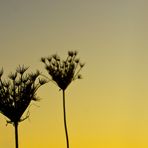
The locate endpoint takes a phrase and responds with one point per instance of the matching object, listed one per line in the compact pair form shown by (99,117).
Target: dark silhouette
(63,72)
(16,94)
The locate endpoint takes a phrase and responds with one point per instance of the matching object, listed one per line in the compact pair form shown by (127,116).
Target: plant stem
(65,125)
(16,134)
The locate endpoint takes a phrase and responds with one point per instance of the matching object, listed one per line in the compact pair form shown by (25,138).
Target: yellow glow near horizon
(108,108)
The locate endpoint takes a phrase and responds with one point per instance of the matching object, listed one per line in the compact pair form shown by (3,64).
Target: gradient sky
(108,108)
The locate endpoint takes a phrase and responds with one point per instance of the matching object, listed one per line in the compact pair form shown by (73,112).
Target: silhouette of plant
(16,94)
(62,73)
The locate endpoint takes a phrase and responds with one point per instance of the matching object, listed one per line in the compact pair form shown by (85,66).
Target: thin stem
(16,134)
(65,125)
(77,73)
(49,79)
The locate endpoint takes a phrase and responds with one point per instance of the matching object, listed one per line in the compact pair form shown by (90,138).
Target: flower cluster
(63,72)
(17,92)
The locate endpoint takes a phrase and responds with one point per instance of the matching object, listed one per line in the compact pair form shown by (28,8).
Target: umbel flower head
(17,92)
(63,72)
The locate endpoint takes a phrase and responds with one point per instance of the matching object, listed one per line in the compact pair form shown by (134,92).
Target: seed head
(70,53)
(42,81)
(43,59)
(17,92)
(13,76)
(63,72)
(21,69)
(82,65)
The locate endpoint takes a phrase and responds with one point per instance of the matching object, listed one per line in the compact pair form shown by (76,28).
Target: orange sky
(108,108)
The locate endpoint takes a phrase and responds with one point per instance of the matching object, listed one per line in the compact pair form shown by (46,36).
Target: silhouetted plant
(16,94)
(62,73)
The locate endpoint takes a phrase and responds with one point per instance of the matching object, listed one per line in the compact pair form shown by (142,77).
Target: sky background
(108,108)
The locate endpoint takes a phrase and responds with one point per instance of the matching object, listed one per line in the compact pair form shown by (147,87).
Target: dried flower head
(12,76)
(63,72)
(17,92)
(43,59)
(21,69)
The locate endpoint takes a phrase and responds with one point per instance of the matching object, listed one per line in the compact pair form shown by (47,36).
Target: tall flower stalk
(16,94)
(62,73)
